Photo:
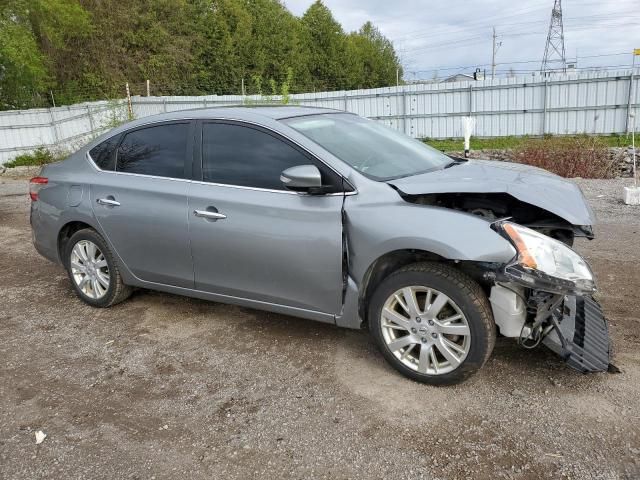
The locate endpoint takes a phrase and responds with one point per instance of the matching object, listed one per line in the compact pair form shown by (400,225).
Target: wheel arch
(66,232)
(386,264)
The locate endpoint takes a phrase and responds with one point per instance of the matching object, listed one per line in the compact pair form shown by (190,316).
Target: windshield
(371,148)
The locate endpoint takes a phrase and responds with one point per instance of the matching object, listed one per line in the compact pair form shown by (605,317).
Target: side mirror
(302,178)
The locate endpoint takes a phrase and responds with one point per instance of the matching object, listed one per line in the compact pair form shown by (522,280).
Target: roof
(258,114)
(275,112)
(459,77)
(286,111)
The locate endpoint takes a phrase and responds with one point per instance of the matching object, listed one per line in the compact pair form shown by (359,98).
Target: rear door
(140,201)
(268,244)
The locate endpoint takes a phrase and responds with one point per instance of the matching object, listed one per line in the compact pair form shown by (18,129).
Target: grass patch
(39,157)
(506,143)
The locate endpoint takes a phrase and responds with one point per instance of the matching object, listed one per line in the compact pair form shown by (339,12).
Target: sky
(444,37)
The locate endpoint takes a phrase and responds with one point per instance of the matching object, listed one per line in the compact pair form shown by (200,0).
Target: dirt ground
(163,386)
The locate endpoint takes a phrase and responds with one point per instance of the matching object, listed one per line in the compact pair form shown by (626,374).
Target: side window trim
(198,164)
(188,155)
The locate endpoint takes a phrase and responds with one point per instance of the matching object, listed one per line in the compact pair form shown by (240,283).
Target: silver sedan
(328,216)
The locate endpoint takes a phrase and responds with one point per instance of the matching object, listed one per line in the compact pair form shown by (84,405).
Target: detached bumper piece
(580,335)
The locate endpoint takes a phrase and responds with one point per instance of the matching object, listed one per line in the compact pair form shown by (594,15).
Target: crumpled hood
(532,185)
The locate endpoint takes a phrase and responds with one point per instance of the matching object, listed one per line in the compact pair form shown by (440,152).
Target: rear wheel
(432,323)
(93,271)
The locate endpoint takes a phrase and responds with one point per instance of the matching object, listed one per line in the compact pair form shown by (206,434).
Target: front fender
(374,230)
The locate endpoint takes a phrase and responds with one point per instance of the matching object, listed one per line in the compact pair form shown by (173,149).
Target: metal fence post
(404,110)
(91,126)
(56,135)
(544,109)
(628,123)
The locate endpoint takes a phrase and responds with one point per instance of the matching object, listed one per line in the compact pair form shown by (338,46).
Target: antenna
(554,49)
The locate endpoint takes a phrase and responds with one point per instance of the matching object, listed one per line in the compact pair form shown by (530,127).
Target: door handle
(210,215)
(108,201)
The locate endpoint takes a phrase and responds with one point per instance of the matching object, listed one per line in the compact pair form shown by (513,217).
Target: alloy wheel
(89,269)
(425,330)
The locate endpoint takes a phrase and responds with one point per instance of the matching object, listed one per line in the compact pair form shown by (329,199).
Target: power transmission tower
(554,50)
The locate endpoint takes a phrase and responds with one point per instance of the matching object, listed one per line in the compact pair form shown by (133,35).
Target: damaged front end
(544,297)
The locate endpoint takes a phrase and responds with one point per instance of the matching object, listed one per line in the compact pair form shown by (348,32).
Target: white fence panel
(559,105)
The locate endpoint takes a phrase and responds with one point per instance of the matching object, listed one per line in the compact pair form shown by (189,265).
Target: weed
(580,156)
(38,157)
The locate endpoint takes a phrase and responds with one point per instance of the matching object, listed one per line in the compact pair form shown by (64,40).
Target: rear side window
(160,151)
(245,156)
(104,154)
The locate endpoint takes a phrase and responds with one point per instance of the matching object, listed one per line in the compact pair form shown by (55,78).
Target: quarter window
(159,150)
(245,156)
(104,154)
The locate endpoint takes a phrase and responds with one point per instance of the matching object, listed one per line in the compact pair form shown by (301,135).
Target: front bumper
(580,334)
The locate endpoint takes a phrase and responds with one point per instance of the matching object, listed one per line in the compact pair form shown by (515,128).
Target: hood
(531,185)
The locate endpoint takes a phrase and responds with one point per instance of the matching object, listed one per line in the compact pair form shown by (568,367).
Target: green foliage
(118,113)
(22,66)
(457,144)
(325,45)
(41,156)
(88,49)
(503,143)
(372,59)
(286,86)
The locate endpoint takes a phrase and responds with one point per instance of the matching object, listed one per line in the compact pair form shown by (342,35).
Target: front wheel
(432,323)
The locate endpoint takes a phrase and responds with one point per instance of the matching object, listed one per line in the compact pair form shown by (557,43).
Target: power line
(518,62)
(469,27)
(622,22)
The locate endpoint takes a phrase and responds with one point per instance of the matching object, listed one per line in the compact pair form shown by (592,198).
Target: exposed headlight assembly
(546,264)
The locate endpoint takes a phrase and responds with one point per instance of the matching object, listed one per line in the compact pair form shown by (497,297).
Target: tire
(115,291)
(449,358)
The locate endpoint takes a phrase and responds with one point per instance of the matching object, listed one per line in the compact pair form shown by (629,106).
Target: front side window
(244,156)
(159,150)
(371,148)
(104,154)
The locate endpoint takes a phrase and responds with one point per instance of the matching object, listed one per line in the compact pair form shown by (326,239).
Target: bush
(41,156)
(581,156)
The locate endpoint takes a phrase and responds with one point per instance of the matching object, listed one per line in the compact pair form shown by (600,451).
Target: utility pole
(496,45)
(148,88)
(554,49)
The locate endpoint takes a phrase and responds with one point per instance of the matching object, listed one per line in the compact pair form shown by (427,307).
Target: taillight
(35,184)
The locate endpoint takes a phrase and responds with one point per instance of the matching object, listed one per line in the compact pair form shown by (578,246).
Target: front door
(142,205)
(250,237)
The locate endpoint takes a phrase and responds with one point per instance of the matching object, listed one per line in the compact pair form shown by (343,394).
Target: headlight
(545,263)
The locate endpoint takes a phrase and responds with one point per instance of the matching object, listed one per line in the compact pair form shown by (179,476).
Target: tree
(373,61)
(223,30)
(88,49)
(325,48)
(23,72)
(30,34)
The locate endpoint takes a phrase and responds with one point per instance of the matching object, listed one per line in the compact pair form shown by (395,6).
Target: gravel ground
(163,386)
